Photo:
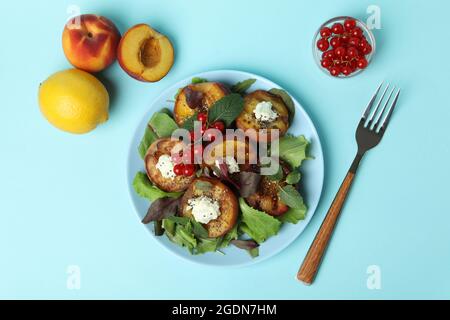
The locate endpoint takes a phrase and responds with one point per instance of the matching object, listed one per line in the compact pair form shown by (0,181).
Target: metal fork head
(376,117)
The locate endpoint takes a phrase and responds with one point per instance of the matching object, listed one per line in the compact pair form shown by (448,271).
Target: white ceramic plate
(311,184)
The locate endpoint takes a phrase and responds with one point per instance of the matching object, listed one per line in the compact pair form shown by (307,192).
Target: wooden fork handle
(311,263)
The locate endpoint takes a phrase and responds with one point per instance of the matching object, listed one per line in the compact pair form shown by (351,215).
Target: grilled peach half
(241,150)
(158,148)
(197,97)
(228,204)
(247,120)
(266,198)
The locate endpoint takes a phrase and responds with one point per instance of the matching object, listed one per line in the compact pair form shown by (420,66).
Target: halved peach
(197,97)
(165,146)
(266,198)
(145,54)
(243,151)
(214,189)
(247,120)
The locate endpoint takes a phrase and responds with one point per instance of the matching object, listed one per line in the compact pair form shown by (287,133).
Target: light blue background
(64,198)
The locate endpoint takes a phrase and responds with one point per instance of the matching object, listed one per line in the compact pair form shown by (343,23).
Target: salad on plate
(221,167)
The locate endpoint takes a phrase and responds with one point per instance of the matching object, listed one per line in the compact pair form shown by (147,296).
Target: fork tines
(383,109)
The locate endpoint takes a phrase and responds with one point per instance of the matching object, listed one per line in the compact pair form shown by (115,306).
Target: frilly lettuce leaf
(146,189)
(257,224)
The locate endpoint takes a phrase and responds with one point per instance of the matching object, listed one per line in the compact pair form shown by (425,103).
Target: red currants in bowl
(343,47)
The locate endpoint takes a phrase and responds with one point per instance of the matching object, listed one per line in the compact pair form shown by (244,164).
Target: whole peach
(90,42)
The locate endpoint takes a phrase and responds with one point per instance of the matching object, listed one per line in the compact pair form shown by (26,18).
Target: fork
(370,131)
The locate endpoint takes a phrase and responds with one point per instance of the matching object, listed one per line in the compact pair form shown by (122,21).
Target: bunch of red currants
(183,161)
(344,48)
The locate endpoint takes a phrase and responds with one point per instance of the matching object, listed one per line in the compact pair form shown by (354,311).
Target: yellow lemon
(74,101)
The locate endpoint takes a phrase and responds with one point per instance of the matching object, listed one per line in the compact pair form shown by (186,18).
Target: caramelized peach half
(242,151)
(214,189)
(247,120)
(145,54)
(197,98)
(160,147)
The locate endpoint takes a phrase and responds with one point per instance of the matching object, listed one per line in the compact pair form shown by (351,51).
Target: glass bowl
(367,33)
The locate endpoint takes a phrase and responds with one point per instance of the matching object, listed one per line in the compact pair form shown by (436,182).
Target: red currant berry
(346,70)
(354,42)
(210,135)
(335,42)
(352,52)
(202,117)
(357,32)
(362,44)
(366,49)
(362,63)
(349,24)
(345,37)
(328,54)
(338,62)
(178,169)
(327,63)
(323,45)
(340,52)
(335,71)
(325,32)
(188,170)
(219,125)
(203,129)
(337,28)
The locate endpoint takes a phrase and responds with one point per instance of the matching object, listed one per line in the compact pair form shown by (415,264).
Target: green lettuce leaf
(231,235)
(207,245)
(293,150)
(148,138)
(197,80)
(257,224)
(146,189)
(162,124)
(294,215)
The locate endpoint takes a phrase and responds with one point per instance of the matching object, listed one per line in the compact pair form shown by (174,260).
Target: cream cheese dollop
(204,209)
(165,166)
(264,112)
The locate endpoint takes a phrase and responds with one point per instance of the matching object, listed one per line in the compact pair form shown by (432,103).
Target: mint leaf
(196,80)
(293,149)
(293,177)
(163,124)
(257,224)
(144,188)
(188,124)
(287,101)
(290,196)
(243,86)
(226,109)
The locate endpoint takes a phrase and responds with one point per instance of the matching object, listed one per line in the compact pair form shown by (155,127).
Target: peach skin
(90,42)
(145,54)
